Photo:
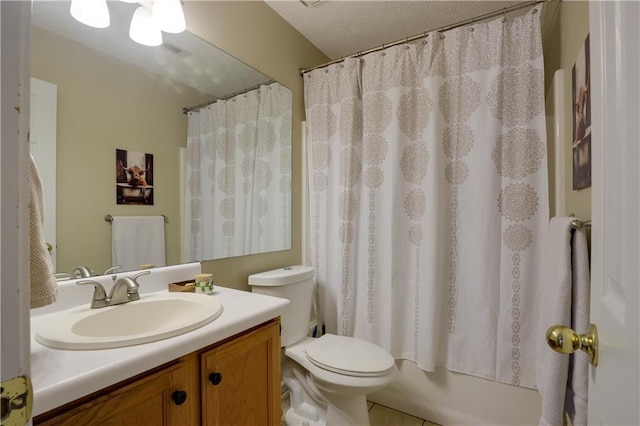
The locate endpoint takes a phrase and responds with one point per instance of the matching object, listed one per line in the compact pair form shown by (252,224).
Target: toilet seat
(336,382)
(349,356)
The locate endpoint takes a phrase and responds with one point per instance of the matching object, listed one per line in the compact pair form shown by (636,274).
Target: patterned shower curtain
(238,177)
(428,197)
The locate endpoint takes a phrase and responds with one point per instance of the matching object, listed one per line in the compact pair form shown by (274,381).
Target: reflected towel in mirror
(137,240)
(43,284)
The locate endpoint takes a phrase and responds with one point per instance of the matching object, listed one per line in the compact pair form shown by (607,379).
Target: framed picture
(134,177)
(581,119)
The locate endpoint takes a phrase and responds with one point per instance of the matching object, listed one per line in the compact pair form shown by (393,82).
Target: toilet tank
(294,283)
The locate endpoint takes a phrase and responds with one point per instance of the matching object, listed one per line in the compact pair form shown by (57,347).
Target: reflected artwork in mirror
(223,170)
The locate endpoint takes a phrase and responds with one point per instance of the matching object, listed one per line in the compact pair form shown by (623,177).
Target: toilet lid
(349,356)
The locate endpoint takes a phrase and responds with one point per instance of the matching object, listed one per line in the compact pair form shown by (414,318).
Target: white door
(42,145)
(614,385)
(15,29)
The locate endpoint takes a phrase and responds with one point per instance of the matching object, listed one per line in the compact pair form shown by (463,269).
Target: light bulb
(169,15)
(144,29)
(94,13)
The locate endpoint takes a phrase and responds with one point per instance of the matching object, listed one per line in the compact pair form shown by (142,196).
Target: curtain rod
(472,20)
(186,110)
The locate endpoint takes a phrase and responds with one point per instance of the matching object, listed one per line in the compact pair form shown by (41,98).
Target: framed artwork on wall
(581,119)
(134,177)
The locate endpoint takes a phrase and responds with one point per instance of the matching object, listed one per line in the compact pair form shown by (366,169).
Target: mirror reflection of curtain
(238,176)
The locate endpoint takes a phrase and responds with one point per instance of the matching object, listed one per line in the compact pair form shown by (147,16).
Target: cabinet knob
(179,397)
(215,378)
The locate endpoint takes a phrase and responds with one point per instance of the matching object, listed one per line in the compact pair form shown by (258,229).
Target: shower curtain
(238,175)
(428,197)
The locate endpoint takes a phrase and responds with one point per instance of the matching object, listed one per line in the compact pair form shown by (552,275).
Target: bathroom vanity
(234,382)
(226,372)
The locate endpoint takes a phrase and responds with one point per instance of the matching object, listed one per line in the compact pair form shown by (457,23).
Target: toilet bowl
(328,377)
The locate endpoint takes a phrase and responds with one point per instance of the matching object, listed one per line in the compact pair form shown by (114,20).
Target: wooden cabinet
(234,382)
(154,399)
(241,380)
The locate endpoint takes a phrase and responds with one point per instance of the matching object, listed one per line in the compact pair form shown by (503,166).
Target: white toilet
(329,377)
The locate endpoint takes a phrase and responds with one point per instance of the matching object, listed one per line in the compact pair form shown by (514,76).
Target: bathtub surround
(238,179)
(427,166)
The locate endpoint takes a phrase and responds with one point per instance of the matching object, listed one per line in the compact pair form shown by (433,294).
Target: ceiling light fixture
(169,15)
(148,20)
(93,13)
(144,29)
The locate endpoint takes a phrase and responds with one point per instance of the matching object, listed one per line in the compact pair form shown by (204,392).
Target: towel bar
(579,224)
(109,218)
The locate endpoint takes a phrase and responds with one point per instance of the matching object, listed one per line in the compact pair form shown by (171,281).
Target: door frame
(15,27)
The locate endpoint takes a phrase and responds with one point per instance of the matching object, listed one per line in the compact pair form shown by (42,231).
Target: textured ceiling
(342,28)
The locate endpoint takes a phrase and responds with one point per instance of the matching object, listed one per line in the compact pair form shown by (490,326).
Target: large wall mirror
(221,172)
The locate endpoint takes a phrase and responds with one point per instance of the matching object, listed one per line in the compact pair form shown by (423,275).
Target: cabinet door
(241,380)
(153,400)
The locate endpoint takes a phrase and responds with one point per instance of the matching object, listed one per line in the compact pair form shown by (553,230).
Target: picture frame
(581,118)
(134,178)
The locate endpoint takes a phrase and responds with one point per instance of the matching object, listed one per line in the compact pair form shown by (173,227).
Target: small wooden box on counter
(183,286)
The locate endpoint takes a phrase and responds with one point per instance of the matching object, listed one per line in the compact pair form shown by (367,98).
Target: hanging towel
(562,380)
(578,389)
(43,286)
(137,240)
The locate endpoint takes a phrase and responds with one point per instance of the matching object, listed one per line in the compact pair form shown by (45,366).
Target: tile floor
(379,415)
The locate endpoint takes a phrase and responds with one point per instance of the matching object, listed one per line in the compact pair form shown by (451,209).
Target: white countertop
(61,376)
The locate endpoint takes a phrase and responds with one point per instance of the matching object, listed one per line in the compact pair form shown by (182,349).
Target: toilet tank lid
(282,276)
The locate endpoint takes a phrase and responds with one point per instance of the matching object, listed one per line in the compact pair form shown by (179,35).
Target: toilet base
(313,406)
(344,411)
(293,419)
(351,413)
(347,410)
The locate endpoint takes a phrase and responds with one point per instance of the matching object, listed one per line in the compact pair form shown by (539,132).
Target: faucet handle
(82,272)
(99,299)
(59,276)
(136,276)
(113,268)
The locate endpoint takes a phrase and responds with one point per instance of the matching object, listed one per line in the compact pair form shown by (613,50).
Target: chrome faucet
(124,290)
(82,272)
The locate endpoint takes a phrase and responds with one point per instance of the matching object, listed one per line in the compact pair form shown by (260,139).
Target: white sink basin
(154,317)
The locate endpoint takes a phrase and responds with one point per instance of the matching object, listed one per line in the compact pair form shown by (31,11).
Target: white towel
(43,286)
(565,300)
(137,240)
(578,389)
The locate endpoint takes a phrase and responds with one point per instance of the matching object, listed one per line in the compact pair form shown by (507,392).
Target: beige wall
(255,34)
(566,28)
(104,104)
